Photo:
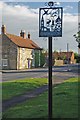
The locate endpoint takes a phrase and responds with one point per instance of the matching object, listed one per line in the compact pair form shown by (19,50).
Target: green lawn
(17,87)
(65,103)
(65,99)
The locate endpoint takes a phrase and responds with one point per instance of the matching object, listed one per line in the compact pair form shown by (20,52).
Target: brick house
(60,58)
(67,57)
(17,51)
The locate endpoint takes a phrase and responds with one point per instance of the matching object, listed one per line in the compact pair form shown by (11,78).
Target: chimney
(3,29)
(23,34)
(28,35)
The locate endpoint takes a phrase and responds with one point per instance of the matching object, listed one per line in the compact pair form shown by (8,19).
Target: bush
(42,59)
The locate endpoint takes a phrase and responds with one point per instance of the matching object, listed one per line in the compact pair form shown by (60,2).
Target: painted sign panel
(50,22)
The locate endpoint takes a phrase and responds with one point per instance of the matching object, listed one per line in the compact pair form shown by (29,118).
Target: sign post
(50,25)
(50,78)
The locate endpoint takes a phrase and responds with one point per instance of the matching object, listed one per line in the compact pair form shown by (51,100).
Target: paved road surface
(60,71)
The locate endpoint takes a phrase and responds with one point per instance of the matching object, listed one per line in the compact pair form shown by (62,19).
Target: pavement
(63,68)
(24,70)
(35,70)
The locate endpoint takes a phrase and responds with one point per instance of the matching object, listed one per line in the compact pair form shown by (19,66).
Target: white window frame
(23,50)
(4,62)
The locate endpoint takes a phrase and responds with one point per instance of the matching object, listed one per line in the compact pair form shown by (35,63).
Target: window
(4,62)
(23,50)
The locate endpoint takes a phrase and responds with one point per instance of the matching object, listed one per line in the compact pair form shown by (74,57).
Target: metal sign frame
(50,22)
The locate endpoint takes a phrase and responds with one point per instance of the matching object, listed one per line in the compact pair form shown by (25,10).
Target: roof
(57,54)
(61,54)
(21,42)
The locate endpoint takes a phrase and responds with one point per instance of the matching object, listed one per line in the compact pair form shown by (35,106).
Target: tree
(77,36)
(76,56)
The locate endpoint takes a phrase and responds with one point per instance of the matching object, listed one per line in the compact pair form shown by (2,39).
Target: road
(61,72)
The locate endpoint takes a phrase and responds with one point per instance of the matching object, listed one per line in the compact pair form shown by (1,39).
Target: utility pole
(68,52)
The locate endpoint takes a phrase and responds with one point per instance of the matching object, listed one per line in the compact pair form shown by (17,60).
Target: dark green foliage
(36,58)
(77,57)
(77,36)
(42,59)
(79,45)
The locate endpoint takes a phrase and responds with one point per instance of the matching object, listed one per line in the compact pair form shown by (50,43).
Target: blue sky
(35,5)
(24,15)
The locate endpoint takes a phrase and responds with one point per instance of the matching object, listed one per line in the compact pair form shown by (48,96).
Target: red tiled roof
(21,42)
(57,54)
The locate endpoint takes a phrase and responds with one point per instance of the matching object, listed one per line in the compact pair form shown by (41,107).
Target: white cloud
(67,17)
(25,11)
(1,4)
(17,10)
(0,13)
(67,8)
(57,3)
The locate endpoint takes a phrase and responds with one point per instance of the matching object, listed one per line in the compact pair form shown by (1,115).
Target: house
(60,58)
(17,51)
(67,57)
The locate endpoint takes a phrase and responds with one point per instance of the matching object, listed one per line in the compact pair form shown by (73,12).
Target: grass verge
(65,103)
(65,99)
(18,87)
